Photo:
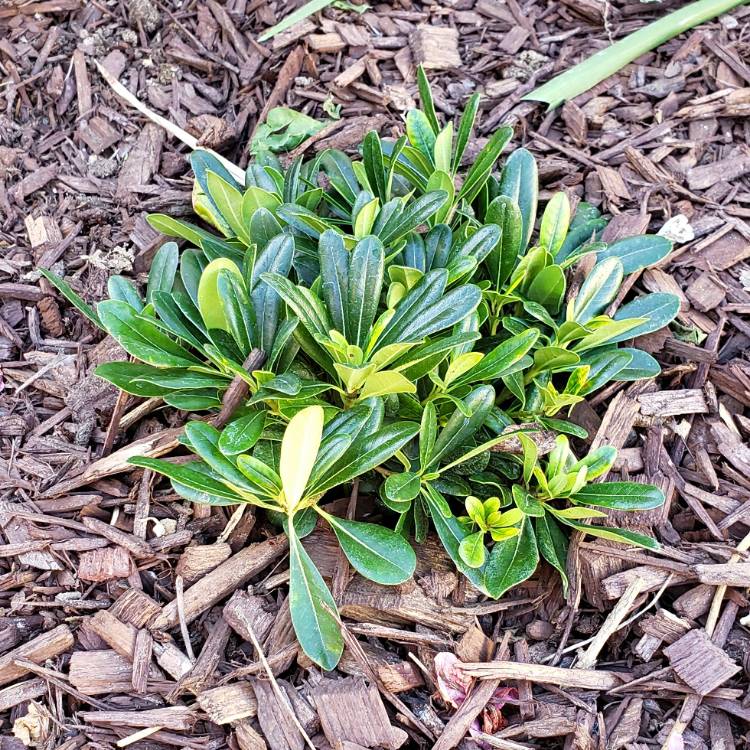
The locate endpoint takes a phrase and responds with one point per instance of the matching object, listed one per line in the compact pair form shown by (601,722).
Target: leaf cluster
(413,315)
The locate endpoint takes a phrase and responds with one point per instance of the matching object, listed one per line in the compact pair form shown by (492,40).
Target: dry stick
(170,127)
(179,594)
(238,389)
(611,624)
(114,423)
(629,621)
(283,699)
(586,679)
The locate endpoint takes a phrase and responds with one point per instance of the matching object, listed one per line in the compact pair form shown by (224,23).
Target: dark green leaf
(636,253)
(123,289)
(519,181)
(425,310)
(240,435)
(553,545)
(417,212)
(375,552)
(512,561)
(66,290)
(163,270)
(460,429)
(188,475)
(425,96)
(465,127)
(614,535)
(501,360)
(140,337)
(598,290)
(660,308)
(364,454)
(642,365)
(313,609)
(620,495)
(504,212)
(482,167)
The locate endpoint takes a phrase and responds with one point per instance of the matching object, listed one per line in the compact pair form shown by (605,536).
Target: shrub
(413,316)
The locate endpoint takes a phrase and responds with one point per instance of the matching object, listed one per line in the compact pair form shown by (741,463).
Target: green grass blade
(299,15)
(608,61)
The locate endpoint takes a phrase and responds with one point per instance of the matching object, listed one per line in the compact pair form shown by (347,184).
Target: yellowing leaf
(299,449)
(209,302)
(461,364)
(387,381)
(366,218)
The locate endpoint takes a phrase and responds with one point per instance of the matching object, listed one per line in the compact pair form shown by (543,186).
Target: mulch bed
(128,614)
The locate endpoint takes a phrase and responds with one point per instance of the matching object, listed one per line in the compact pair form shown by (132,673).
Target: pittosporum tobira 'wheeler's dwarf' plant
(399,321)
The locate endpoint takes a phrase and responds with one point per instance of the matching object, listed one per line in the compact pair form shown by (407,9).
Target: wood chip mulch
(128,617)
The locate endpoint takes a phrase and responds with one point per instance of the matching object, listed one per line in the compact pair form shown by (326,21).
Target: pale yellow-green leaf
(353,377)
(299,449)
(443,148)
(396,292)
(209,301)
(205,209)
(366,218)
(461,364)
(229,202)
(255,198)
(378,328)
(499,535)
(579,514)
(474,508)
(361,175)
(385,382)
(388,354)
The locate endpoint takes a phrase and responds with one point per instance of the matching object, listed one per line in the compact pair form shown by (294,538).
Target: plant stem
(608,61)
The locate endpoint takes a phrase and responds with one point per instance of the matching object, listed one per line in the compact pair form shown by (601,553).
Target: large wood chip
(37,650)
(352,711)
(435,47)
(104,564)
(229,702)
(699,662)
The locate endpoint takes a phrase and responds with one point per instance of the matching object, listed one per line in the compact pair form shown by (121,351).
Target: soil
(131,618)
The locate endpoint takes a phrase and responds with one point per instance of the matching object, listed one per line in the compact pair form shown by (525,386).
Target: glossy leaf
(142,338)
(299,448)
(512,561)
(374,551)
(555,222)
(313,609)
(620,496)
(614,535)
(519,182)
(597,291)
(636,253)
(163,270)
(553,545)
(472,549)
(73,297)
(481,169)
(659,309)
(240,435)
